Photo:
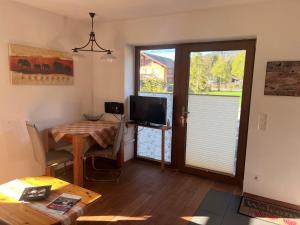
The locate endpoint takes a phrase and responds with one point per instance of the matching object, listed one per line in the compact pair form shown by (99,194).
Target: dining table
(83,133)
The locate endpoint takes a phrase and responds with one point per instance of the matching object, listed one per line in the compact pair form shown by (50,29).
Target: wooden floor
(145,195)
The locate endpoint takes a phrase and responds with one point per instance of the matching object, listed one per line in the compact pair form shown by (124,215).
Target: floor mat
(221,208)
(269,212)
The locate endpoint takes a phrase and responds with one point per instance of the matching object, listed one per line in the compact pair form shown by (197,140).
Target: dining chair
(47,159)
(108,153)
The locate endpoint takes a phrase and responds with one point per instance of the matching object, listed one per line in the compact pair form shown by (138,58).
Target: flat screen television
(148,110)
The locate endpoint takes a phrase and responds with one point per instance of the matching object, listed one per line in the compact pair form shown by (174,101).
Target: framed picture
(283,78)
(36,66)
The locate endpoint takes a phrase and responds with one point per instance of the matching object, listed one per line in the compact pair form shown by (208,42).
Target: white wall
(45,105)
(272,155)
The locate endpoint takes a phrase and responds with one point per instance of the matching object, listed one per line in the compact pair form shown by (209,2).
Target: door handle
(182,121)
(183,117)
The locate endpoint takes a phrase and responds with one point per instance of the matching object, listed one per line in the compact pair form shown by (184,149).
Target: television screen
(148,110)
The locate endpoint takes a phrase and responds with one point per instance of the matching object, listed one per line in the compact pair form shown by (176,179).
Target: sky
(170,53)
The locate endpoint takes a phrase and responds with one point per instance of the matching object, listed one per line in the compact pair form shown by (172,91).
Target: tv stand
(163,129)
(150,125)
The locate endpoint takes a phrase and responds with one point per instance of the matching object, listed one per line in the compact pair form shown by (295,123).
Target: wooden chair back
(37,144)
(118,138)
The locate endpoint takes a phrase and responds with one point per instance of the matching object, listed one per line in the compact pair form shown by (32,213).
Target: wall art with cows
(36,66)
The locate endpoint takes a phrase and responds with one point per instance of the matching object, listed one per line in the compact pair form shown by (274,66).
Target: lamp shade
(109,57)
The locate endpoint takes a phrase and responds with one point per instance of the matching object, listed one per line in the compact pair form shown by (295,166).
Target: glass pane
(156,80)
(214,103)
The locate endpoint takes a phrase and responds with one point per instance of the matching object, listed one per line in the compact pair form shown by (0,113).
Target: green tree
(238,65)
(153,84)
(198,80)
(209,60)
(200,72)
(221,70)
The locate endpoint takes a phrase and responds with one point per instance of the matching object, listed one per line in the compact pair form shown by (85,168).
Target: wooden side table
(163,129)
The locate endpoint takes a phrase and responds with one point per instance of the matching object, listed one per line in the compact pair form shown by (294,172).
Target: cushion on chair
(58,157)
(96,151)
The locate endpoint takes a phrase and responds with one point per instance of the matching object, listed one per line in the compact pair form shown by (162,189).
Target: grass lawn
(223,93)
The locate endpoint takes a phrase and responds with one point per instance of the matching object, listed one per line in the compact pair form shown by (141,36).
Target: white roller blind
(212,133)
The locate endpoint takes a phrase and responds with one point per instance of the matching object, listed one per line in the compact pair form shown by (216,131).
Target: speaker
(114,107)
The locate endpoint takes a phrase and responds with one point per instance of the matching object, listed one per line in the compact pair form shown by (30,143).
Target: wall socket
(262,121)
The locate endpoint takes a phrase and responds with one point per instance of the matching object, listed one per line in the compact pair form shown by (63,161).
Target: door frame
(181,100)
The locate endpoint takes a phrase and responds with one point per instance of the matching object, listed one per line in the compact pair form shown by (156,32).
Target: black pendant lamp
(93,46)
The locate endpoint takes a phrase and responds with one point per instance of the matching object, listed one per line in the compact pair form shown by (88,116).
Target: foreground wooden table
(15,213)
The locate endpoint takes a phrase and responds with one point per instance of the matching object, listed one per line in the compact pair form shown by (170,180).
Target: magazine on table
(64,203)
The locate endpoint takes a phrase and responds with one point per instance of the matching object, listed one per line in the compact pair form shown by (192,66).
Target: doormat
(269,212)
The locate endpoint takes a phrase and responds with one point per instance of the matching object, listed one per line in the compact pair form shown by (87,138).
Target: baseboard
(128,161)
(272,201)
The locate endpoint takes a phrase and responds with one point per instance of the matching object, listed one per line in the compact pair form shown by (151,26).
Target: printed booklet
(64,203)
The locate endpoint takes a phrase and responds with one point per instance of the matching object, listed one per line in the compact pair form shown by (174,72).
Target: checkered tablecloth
(103,132)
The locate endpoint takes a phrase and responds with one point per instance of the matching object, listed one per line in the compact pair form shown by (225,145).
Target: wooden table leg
(78,148)
(50,172)
(120,156)
(162,149)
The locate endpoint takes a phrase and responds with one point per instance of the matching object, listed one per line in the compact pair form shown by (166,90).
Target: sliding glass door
(208,91)
(214,105)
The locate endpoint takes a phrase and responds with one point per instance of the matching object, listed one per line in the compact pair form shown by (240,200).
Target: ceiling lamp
(93,46)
